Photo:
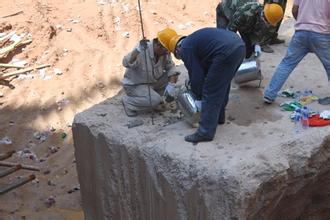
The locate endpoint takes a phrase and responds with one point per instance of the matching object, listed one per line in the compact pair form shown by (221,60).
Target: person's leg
(248,44)
(137,99)
(222,114)
(275,39)
(320,44)
(222,21)
(215,89)
(298,48)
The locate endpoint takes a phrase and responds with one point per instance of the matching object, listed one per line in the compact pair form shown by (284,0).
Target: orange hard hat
(273,13)
(168,38)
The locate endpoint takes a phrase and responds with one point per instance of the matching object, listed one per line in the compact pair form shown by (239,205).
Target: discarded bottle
(305,117)
(297,121)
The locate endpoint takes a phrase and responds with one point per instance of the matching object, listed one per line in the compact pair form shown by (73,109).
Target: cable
(146,63)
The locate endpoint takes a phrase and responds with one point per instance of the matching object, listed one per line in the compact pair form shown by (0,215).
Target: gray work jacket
(136,73)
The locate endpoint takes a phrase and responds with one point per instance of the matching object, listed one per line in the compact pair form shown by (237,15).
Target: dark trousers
(216,90)
(282,3)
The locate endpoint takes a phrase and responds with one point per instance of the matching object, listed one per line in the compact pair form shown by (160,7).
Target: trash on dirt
(50,201)
(58,26)
(325,114)
(57,71)
(1,94)
(125,34)
(69,29)
(73,21)
(42,74)
(18,62)
(5,141)
(286,93)
(75,189)
(27,154)
(41,136)
(63,135)
(53,149)
(35,181)
(61,103)
(290,105)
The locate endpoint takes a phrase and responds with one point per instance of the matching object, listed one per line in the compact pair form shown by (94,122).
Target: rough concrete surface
(256,167)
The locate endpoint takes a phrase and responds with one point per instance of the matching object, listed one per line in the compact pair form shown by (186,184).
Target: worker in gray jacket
(145,85)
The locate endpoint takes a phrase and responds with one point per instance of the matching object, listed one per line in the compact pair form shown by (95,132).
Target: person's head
(273,13)
(159,49)
(169,39)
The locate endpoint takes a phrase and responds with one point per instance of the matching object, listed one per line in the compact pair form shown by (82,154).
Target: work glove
(142,45)
(257,50)
(198,104)
(169,92)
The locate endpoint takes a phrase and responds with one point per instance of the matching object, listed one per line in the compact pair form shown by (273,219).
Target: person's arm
(171,70)
(131,59)
(196,74)
(295,9)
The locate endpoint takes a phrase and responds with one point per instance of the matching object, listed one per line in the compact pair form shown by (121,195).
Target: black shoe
(324,101)
(267,49)
(195,138)
(222,119)
(268,100)
(276,41)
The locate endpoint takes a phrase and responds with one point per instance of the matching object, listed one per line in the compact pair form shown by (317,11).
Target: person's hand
(169,92)
(198,104)
(257,50)
(142,45)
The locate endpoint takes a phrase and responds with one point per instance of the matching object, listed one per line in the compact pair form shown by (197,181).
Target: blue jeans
(216,90)
(302,43)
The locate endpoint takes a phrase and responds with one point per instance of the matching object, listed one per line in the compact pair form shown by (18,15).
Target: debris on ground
(5,141)
(50,201)
(134,123)
(42,136)
(27,154)
(75,189)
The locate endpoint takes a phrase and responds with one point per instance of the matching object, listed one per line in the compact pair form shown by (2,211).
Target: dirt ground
(85,40)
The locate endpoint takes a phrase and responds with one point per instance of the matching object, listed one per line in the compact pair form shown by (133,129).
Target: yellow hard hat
(273,13)
(168,38)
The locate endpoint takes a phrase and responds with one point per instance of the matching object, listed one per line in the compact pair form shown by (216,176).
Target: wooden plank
(7,65)
(7,75)
(25,167)
(12,14)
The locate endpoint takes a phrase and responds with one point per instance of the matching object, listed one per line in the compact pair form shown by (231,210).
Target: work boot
(276,41)
(129,112)
(267,49)
(195,138)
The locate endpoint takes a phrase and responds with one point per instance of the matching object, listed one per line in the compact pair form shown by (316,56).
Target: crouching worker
(150,73)
(212,57)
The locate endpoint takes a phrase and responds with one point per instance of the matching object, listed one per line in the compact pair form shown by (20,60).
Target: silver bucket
(188,107)
(248,71)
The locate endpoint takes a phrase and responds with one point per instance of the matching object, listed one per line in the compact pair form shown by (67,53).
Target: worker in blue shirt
(212,57)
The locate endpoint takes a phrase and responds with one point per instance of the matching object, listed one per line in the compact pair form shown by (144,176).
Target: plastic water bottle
(297,120)
(304,117)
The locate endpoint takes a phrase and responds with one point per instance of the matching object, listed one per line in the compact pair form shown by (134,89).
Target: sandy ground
(86,40)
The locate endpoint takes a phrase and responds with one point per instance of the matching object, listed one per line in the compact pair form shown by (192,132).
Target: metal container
(188,107)
(248,71)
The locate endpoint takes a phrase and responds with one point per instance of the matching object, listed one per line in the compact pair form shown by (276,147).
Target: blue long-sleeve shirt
(200,48)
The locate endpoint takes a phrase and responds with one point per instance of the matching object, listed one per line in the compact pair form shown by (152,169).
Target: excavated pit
(256,168)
